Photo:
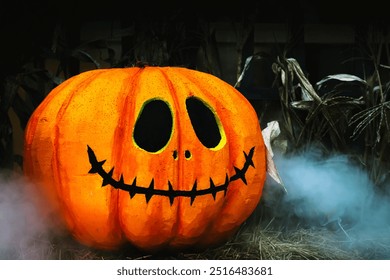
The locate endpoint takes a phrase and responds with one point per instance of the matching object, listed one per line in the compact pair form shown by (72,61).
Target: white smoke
(330,191)
(24,227)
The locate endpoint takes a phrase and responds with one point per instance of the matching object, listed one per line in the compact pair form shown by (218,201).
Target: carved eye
(205,122)
(153,128)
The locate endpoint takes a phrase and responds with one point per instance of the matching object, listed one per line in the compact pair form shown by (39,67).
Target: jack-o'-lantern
(161,157)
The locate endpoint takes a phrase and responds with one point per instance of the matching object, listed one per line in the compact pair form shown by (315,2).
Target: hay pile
(265,241)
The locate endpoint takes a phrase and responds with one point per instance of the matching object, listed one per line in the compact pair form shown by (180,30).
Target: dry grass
(299,244)
(257,240)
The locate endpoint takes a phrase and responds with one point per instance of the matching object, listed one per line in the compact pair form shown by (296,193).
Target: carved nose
(187,154)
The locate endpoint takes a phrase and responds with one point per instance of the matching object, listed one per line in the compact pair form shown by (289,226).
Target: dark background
(27,27)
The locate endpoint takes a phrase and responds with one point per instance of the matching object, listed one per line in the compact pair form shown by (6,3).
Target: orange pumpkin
(161,157)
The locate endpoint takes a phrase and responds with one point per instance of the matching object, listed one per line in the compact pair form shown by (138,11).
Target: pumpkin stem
(141,64)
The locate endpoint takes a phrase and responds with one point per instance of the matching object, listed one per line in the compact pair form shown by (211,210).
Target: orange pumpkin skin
(85,149)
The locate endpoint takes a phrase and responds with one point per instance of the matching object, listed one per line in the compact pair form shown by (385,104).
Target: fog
(24,227)
(332,192)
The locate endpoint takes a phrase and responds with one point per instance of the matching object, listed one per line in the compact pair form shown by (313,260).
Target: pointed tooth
(226,185)
(248,159)
(212,188)
(194,187)
(171,196)
(96,166)
(132,188)
(240,174)
(108,177)
(150,189)
(121,180)
(193,192)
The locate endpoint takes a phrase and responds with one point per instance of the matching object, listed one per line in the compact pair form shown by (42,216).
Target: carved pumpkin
(161,157)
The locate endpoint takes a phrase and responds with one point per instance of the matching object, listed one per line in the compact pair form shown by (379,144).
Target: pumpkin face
(161,157)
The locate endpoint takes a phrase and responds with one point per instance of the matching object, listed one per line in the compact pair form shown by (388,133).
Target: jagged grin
(171,193)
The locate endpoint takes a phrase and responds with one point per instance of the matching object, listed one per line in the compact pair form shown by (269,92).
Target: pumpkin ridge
(150,191)
(56,139)
(118,133)
(128,92)
(176,126)
(34,120)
